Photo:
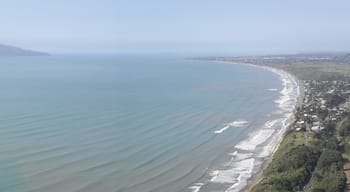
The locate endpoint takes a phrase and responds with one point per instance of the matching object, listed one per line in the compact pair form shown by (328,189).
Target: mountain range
(6,50)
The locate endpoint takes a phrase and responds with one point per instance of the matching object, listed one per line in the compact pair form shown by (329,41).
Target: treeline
(329,174)
(291,167)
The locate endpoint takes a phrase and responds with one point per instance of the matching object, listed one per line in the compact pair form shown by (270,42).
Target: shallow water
(132,123)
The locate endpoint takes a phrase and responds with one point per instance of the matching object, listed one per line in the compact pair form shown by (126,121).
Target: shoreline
(256,178)
(278,136)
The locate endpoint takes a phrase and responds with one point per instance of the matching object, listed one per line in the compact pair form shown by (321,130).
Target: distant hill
(344,58)
(6,50)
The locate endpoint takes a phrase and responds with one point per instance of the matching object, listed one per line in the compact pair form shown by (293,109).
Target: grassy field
(317,71)
(326,66)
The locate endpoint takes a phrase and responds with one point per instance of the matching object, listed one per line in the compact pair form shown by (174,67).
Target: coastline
(259,176)
(256,178)
(277,137)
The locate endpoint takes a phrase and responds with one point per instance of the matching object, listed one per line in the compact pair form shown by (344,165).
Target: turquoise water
(124,123)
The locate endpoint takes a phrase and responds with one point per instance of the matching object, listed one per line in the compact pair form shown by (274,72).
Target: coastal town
(324,103)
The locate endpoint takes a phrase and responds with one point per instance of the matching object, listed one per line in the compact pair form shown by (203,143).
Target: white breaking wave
(237,175)
(272,89)
(230,175)
(258,137)
(270,124)
(238,156)
(196,187)
(238,123)
(221,130)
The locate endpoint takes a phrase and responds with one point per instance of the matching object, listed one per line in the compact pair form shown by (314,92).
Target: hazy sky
(196,26)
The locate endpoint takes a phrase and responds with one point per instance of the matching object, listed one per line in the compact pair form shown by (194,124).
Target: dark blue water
(124,123)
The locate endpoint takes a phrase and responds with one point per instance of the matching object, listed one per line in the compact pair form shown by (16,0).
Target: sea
(138,123)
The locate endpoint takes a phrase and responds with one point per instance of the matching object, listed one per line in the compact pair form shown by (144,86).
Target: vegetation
(317,71)
(344,127)
(334,100)
(329,174)
(292,165)
(306,161)
(344,136)
(327,66)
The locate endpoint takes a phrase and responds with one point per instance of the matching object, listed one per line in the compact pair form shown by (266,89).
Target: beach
(289,119)
(253,154)
(258,177)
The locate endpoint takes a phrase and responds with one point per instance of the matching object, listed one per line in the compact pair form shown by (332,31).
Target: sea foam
(255,139)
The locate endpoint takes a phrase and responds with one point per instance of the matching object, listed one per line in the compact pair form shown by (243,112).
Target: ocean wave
(196,187)
(256,138)
(237,175)
(221,130)
(272,89)
(270,124)
(238,156)
(237,123)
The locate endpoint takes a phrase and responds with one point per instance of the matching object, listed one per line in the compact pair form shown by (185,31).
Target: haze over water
(126,123)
